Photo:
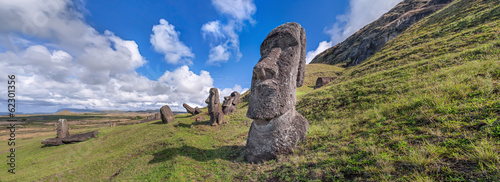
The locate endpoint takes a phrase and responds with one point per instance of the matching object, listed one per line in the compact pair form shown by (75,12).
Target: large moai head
(213,101)
(278,73)
(230,102)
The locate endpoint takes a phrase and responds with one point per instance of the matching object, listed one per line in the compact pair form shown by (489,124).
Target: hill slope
(427,106)
(371,38)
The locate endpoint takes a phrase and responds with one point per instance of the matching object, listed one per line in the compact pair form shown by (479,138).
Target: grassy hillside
(424,108)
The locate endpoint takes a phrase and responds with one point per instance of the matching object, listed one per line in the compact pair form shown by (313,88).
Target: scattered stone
(277,127)
(321,81)
(154,117)
(62,128)
(230,102)
(190,110)
(112,124)
(214,107)
(199,118)
(166,114)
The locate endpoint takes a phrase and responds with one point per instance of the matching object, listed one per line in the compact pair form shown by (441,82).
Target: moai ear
(302,64)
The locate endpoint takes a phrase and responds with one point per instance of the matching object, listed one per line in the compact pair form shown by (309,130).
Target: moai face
(213,100)
(278,73)
(231,99)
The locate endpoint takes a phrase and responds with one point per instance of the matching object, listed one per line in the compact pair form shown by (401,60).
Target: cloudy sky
(137,55)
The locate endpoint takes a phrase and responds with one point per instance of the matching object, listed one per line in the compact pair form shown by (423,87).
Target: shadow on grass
(184,125)
(230,153)
(159,122)
(185,116)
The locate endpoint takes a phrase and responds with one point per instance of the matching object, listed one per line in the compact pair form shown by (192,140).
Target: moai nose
(260,73)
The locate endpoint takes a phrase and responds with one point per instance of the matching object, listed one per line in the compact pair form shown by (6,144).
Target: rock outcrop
(370,39)
(277,127)
(190,110)
(214,107)
(230,103)
(323,81)
(166,114)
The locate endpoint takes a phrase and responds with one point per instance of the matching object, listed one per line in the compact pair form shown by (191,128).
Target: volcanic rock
(370,39)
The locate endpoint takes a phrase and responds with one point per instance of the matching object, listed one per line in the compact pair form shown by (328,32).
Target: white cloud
(323,45)
(225,36)
(166,40)
(72,65)
(237,9)
(360,13)
(212,29)
(218,54)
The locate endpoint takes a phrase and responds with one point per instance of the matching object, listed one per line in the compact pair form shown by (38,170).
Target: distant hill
(77,110)
(370,39)
(64,112)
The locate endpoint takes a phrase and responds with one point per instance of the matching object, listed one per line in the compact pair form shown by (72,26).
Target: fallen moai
(63,136)
(190,110)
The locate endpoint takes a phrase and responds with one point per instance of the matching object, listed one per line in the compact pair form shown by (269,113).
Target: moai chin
(277,126)
(214,107)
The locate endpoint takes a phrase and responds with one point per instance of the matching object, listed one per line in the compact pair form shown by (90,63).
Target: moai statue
(190,110)
(62,128)
(323,81)
(277,127)
(230,102)
(166,114)
(214,107)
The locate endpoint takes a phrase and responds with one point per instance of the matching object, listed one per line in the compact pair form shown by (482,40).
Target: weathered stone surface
(214,107)
(62,128)
(71,138)
(167,115)
(190,110)
(370,39)
(277,126)
(323,81)
(230,103)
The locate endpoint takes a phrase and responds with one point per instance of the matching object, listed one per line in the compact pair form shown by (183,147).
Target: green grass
(424,108)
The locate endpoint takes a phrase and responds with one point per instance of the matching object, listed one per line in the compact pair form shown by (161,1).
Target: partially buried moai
(230,103)
(277,127)
(166,114)
(62,128)
(214,107)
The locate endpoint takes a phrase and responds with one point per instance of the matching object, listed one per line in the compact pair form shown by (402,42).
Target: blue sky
(135,55)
